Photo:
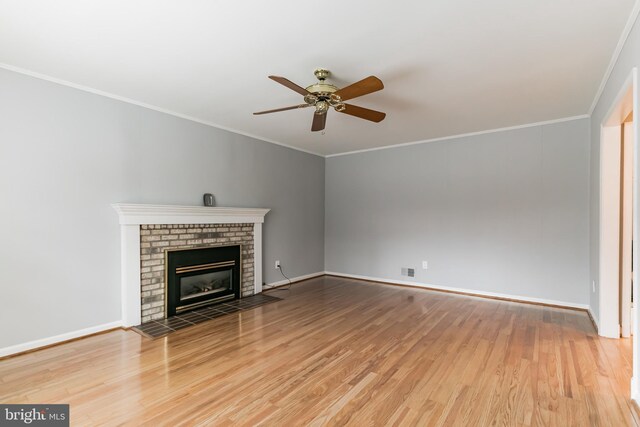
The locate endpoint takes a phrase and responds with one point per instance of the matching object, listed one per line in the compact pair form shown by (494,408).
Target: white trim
(43,342)
(294,280)
(131,213)
(608,223)
(463,135)
(271,141)
(616,54)
(594,317)
(608,120)
(145,105)
(470,292)
(608,231)
(626,229)
(635,327)
(130,285)
(608,324)
(257,258)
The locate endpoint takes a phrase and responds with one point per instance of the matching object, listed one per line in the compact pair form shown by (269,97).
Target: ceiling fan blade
(282,109)
(291,85)
(319,120)
(363,87)
(363,113)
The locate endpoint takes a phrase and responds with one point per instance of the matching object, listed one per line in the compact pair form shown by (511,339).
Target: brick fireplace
(149,232)
(157,240)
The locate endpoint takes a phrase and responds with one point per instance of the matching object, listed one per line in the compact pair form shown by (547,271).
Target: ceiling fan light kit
(324,96)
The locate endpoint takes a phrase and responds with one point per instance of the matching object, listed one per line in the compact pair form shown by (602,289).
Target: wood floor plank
(340,351)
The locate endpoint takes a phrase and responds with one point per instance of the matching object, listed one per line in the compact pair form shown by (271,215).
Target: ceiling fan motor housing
(321,94)
(322,89)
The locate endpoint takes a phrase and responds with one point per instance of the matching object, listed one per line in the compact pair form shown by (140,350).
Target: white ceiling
(449,67)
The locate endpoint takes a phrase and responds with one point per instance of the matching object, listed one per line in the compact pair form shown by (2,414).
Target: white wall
(504,212)
(66,155)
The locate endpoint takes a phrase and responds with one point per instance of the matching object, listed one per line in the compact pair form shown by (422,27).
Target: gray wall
(628,59)
(504,212)
(66,155)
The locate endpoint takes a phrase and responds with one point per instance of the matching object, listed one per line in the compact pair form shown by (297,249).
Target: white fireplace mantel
(134,215)
(137,214)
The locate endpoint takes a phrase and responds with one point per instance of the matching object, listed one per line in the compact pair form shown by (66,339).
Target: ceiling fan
(323,95)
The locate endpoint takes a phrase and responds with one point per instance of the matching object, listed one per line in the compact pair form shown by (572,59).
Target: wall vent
(405,271)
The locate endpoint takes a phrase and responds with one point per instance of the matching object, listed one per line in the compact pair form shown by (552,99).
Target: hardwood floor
(341,351)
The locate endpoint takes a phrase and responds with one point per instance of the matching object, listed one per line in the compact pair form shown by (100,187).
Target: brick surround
(155,239)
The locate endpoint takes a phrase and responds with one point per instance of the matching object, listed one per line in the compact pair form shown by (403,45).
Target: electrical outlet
(593,285)
(277,264)
(425,265)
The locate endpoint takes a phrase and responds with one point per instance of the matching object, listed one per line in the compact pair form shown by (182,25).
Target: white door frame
(609,279)
(609,312)
(626,229)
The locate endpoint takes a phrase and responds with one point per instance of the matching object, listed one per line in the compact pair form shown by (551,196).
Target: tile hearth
(159,328)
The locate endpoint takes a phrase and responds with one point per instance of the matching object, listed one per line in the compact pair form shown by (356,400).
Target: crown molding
(462,135)
(633,17)
(256,137)
(148,106)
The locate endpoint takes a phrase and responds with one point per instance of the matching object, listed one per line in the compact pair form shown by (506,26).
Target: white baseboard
(594,318)
(293,280)
(31,345)
(471,292)
(43,342)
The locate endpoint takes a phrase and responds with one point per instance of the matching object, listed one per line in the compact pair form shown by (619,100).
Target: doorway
(617,152)
(618,222)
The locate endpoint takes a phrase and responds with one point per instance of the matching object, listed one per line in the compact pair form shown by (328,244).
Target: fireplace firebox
(202,276)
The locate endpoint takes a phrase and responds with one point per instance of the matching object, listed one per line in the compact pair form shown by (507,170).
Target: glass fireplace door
(210,283)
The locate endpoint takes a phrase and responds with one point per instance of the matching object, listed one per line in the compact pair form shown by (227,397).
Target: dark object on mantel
(208,200)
